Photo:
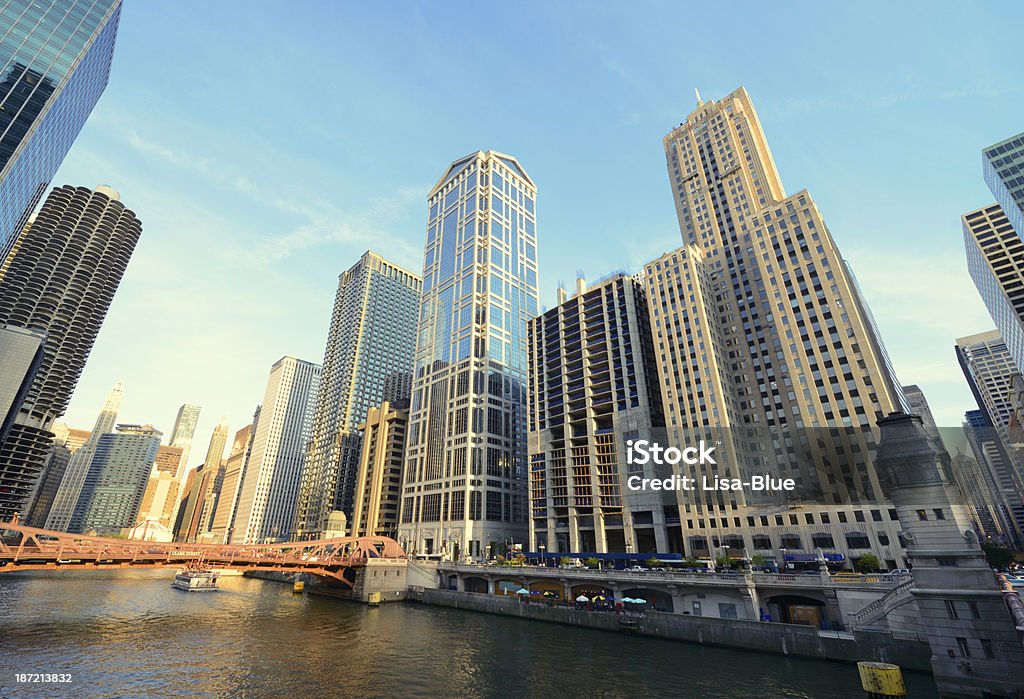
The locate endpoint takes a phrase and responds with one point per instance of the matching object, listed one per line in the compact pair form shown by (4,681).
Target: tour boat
(195,580)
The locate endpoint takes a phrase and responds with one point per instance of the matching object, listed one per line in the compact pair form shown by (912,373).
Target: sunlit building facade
(765,345)
(269,489)
(369,355)
(593,389)
(116,480)
(465,485)
(379,483)
(58,518)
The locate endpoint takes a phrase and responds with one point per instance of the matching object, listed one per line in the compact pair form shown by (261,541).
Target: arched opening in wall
(507,588)
(660,601)
(796,609)
(478,585)
(590,590)
(547,590)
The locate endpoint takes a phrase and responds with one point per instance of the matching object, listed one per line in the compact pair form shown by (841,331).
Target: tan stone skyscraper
(379,482)
(765,345)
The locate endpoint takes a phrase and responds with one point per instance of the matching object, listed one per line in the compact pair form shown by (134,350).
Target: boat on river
(195,580)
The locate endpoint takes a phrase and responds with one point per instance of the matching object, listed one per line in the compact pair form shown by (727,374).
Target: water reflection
(127,634)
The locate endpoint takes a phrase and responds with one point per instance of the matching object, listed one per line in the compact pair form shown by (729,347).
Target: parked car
(899,571)
(637,569)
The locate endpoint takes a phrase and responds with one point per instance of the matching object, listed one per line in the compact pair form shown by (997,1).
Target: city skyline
(299,233)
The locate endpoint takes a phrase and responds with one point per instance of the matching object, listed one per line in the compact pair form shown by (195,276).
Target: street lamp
(782,552)
(725,547)
(542,547)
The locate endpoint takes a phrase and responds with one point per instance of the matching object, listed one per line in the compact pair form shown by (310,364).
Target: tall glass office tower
(465,468)
(116,480)
(1004,175)
(54,64)
(989,368)
(370,347)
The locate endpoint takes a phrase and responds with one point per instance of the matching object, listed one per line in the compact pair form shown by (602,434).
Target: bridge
(31,548)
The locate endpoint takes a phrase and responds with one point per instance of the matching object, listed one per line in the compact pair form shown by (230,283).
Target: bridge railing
(18,541)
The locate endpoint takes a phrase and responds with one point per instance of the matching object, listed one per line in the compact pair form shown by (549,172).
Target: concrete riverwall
(383,576)
(767,637)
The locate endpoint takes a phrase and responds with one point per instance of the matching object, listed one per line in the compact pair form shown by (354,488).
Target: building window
(922,515)
(939,514)
(951,609)
(791,541)
(822,541)
(975,612)
(987,647)
(961,642)
(858,540)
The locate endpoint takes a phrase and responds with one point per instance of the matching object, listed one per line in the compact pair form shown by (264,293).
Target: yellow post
(298,586)
(881,680)
(373,599)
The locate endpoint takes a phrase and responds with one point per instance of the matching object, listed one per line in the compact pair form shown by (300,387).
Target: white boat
(1015,580)
(195,580)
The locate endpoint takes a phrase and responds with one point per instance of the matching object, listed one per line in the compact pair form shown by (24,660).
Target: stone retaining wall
(767,637)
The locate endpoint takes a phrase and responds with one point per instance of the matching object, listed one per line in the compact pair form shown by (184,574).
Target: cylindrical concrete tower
(60,283)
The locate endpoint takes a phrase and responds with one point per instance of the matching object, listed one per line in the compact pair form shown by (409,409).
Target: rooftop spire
(700,102)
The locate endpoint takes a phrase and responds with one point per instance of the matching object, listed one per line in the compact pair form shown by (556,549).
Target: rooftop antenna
(700,102)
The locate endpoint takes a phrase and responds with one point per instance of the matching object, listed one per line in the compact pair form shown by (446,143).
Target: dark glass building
(1004,175)
(54,64)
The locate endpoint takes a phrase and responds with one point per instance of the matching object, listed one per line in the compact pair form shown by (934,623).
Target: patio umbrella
(582,598)
(522,591)
(639,601)
(627,600)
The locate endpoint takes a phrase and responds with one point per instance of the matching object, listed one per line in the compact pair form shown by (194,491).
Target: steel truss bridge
(30,548)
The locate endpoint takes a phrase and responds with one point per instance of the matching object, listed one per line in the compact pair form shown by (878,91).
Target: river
(128,634)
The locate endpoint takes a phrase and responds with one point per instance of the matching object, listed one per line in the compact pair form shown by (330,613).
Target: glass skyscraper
(1004,175)
(465,467)
(54,64)
(116,480)
(368,357)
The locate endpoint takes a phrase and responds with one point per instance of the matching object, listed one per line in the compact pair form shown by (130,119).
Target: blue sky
(266,145)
